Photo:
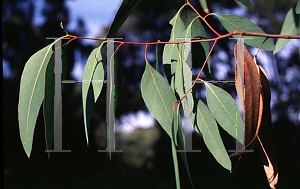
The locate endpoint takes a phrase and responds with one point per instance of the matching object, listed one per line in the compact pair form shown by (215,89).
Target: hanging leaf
(158,96)
(48,105)
(206,124)
(118,79)
(124,11)
(183,27)
(32,94)
(175,162)
(246,3)
(298,7)
(204,6)
(224,109)
(238,23)
(179,140)
(265,135)
(291,26)
(253,95)
(93,75)
(183,82)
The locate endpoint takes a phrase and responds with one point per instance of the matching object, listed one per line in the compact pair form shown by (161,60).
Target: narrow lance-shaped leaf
(93,78)
(49,96)
(158,96)
(239,23)
(265,135)
(124,11)
(206,124)
(174,143)
(224,109)
(291,26)
(179,140)
(181,147)
(32,94)
(175,162)
(118,79)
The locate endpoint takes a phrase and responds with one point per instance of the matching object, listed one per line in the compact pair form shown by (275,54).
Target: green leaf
(291,26)
(298,7)
(246,3)
(183,27)
(124,11)
(239,23)
(158,96)
(183,82)
(49,97)
(93,75)
(206,124)
(204,6)
(118,80)
(32,94)
(175,162)
(181,147)
(224,109)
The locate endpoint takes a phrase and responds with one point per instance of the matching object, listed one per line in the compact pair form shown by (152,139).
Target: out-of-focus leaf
(246,3)
(32,94)
(124,11)
(204,6)
(93,74)
(224,109)
(158,96)
(239,23)
(291,26)
(265,135)
(48,105)
(206,124)
(298,7)
(240,4)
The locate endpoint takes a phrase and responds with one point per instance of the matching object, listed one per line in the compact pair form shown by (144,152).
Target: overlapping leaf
(239,23)
(49,96)
(183,82)
(291,26)
(179,140)
(224,109)
(253,95)
(265,135)
(159,97)
(124,11)
(32,94)
(206,124)
(93,77)
(183,27)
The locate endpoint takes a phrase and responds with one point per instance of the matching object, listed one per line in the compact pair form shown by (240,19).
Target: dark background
(147,160)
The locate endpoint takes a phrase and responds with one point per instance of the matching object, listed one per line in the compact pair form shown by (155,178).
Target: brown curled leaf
(253,95)
(265,136)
